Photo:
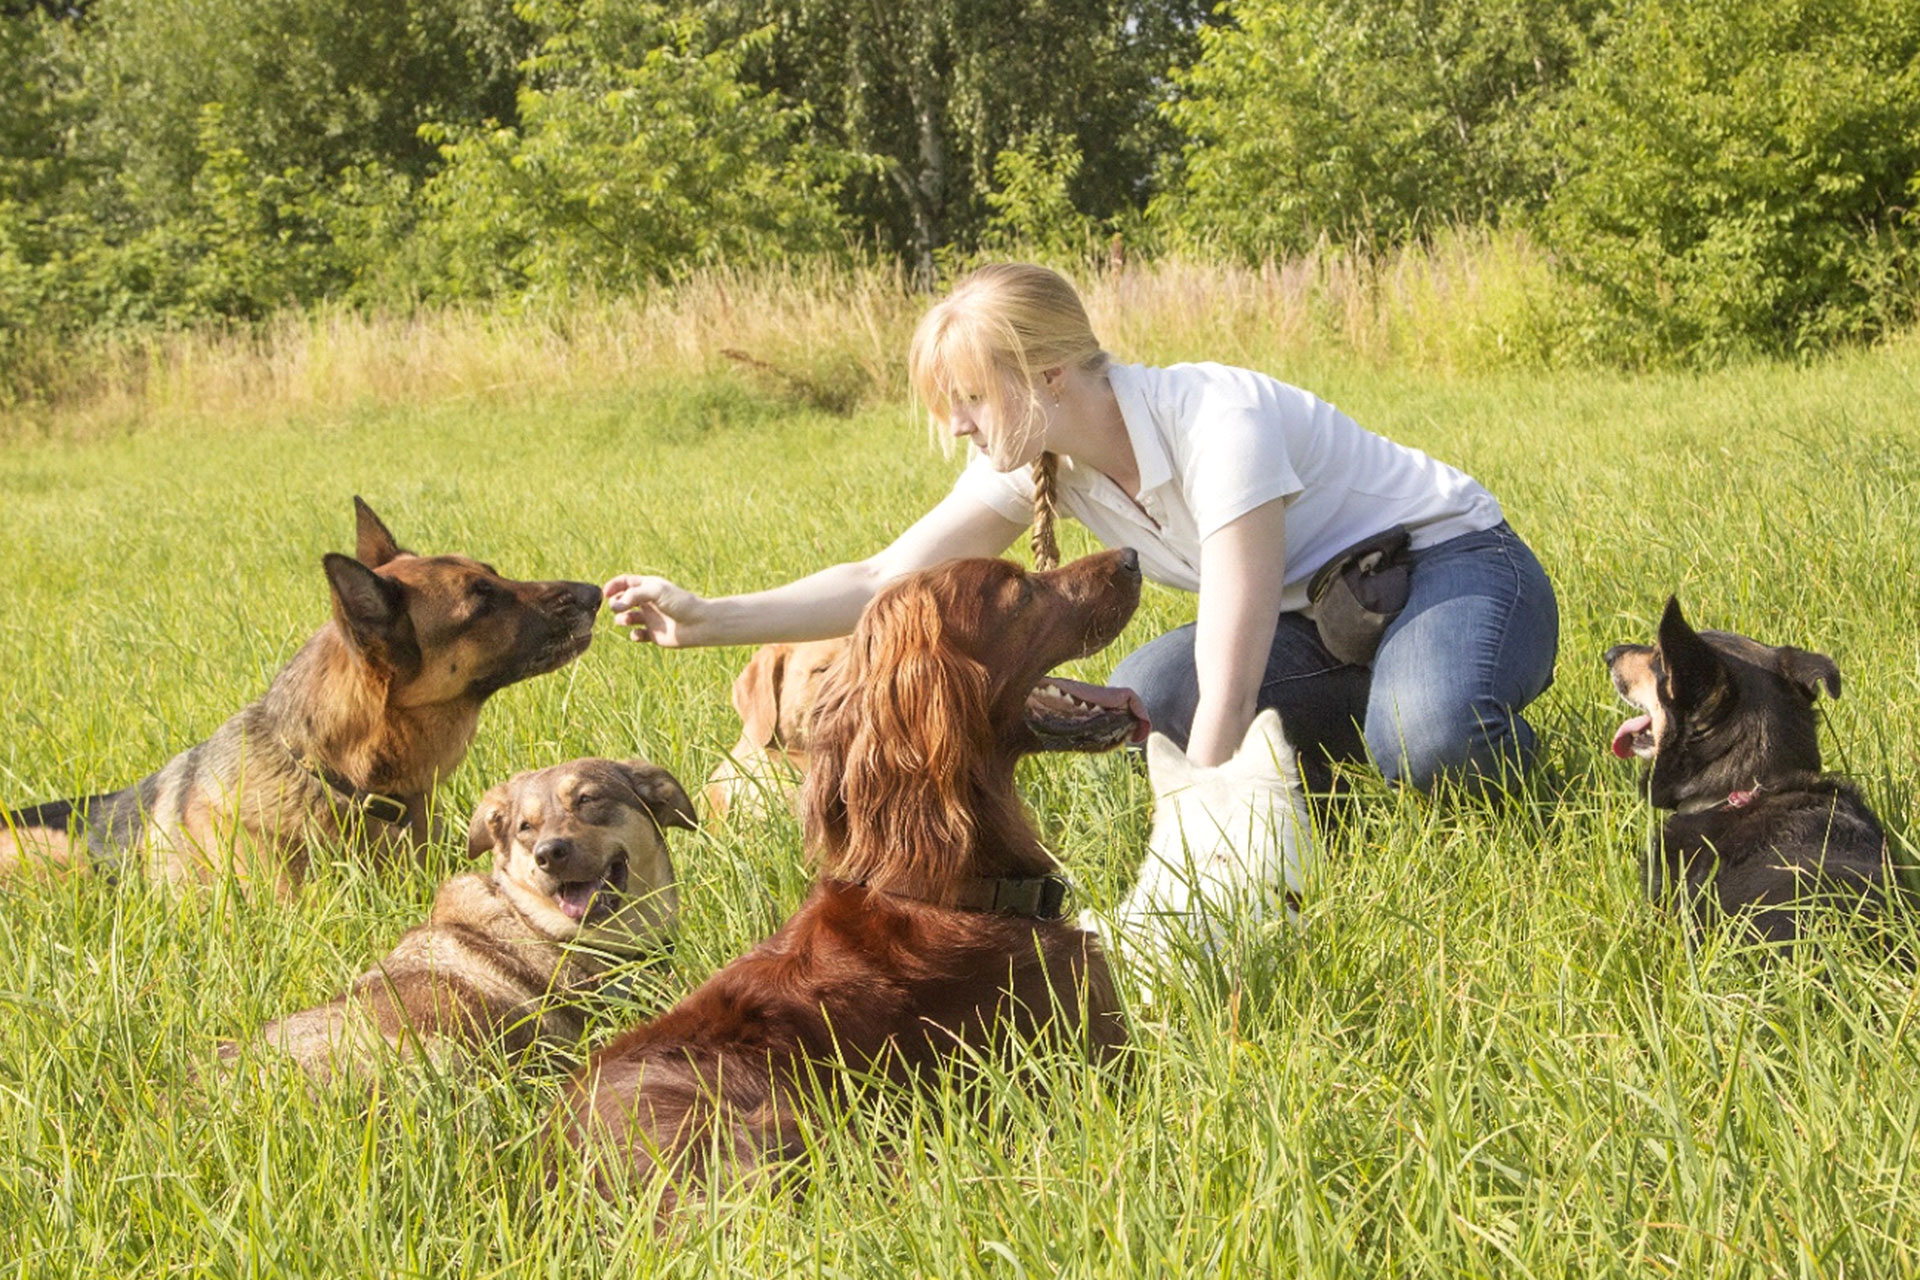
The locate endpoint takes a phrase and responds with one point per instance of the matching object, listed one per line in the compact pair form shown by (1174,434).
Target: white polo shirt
(1212,443)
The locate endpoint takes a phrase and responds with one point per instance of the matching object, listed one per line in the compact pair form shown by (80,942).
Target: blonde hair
(1001,327)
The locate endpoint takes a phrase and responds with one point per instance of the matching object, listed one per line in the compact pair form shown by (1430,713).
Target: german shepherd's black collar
(1728,730)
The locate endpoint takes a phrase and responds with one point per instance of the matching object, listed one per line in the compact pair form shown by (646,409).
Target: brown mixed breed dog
(937,922)
(581,881)
(774,694)
(1727,727)
(350,738)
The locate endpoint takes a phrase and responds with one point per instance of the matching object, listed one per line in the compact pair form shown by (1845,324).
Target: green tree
(1368,119)
(938,89)
(318,85)
(225,157)
(1742,176)
(636,154)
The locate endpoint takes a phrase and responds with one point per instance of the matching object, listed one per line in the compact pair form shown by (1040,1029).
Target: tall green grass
(1487,1054)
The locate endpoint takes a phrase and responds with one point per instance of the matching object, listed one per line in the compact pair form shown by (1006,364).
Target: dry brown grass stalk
(1465,300)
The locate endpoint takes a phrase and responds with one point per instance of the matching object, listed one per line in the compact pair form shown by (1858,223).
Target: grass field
(1486,1056)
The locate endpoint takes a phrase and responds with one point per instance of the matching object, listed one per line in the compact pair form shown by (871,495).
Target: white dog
(1230,849)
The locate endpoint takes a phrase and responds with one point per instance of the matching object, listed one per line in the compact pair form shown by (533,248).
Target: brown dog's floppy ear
(373,545)
(1809,671)
(660,792)
(897,735)
(488,830)
(756,693)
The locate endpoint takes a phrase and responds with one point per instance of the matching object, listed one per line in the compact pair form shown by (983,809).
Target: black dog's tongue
(1627,737)
(1057,702)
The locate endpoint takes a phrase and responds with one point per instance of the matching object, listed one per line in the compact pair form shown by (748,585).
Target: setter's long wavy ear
(899,734)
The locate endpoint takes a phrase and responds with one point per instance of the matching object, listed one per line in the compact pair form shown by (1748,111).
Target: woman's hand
(658,611)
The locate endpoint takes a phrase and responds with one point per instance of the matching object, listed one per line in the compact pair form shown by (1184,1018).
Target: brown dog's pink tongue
(1623,736)
(575,898)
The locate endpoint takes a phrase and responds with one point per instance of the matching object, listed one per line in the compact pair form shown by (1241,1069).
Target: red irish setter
(936,921)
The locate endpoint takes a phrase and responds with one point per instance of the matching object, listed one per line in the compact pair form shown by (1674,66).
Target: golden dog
(774,695)
(581,880)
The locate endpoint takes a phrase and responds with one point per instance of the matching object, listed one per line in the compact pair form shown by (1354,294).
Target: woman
(1229,484)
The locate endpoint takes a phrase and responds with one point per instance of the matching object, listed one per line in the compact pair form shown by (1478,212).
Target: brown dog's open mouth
(1066,715)
(597,898)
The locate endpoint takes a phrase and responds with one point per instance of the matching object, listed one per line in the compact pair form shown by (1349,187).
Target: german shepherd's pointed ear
(1693,670)
(488,830)
(1809,671)
(365,605)
(373,544)
(660,792)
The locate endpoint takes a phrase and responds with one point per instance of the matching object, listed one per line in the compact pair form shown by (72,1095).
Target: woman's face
(992,423)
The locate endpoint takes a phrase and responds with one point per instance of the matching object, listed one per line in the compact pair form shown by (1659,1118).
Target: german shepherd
(581,880)
(1727,725)
(350,738)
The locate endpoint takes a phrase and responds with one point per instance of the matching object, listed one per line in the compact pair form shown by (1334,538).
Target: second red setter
(937,921)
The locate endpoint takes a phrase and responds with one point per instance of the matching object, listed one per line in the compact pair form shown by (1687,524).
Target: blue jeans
(1474,645)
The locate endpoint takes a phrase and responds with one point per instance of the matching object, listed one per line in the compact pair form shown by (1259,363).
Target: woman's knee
(1161,672)
(1480,744)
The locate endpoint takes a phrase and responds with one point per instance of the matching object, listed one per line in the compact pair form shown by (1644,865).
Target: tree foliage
(938,89)
(1712,176)
(636,155)
(1743,175)
(1368,119)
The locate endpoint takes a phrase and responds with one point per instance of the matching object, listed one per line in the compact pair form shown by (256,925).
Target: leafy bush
(1032,202)
(1743,174)
(1368,119)
(636,155)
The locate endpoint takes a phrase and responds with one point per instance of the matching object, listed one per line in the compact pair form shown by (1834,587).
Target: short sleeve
(1235,459)
(1009,493)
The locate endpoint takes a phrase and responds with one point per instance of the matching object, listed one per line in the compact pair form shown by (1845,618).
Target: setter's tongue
(1623,737)
(1059,706)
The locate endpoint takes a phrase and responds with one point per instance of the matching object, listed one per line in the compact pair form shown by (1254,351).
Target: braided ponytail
(1046,551)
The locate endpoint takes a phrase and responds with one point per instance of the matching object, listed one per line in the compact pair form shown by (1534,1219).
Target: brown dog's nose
(1129,560)
(552,854)
(583,595)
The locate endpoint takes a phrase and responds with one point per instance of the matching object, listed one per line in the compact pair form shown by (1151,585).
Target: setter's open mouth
(1066,715)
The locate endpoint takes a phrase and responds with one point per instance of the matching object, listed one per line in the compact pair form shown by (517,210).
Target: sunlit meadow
(1485,1054)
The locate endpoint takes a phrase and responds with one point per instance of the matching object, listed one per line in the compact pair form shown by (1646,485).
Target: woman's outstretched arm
(817,606)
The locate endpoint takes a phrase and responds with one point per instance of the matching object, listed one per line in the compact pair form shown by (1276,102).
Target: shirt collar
(1142,430)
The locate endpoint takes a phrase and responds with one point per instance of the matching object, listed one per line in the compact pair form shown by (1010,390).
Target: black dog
(1728,725)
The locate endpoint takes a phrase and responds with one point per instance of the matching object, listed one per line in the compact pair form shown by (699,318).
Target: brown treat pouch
(1358,592)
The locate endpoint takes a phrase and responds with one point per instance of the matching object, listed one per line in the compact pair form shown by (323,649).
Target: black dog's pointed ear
(1693,669)
(373,544)
(1809,671)
(365,604)
(661,793)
